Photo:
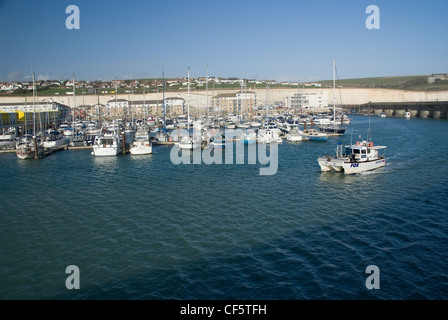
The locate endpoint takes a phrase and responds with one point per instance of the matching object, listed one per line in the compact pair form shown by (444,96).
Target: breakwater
(429,109)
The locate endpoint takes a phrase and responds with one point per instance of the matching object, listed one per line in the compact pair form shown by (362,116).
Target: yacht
(407,115)
(314,135)
(294,135)
(25,148)
(188,142)
(142,143)
(54,139)
(332,129)
(108,142)
(359,157)
(268,136)
(8,140)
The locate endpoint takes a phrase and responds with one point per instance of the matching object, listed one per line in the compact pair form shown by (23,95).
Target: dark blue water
(144,228)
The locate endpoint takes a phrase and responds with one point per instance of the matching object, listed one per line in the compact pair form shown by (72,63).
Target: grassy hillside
(416,83)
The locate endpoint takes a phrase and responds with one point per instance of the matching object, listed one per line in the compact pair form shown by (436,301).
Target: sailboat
(188,141)
(29,147)
(332,127)
(109,141)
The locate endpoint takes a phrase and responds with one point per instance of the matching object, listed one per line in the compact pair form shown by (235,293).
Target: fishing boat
(359,157)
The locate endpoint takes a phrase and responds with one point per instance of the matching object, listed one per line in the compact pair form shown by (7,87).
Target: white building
(309,101)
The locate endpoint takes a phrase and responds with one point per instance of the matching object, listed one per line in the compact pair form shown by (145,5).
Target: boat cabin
(363,151)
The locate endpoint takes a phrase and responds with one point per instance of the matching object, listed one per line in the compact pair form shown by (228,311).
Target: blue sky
(280,40)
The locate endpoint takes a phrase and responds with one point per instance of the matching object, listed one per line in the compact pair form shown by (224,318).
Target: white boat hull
(328,164)
(101,151)
(356,167)
(294,138)
(344,165)
(188,145)
(25,155)
(141,149)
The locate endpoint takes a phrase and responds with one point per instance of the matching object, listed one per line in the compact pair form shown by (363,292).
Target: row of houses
(149,83)
(225,103)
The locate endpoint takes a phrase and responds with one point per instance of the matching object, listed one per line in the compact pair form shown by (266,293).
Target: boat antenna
(368,131)
(163,97)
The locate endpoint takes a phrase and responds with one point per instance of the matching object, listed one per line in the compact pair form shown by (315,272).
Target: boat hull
(141,149)
(328,164)
(294,138)
(344,165)
(189,145)
(315,138)
(100,151)
(356,167)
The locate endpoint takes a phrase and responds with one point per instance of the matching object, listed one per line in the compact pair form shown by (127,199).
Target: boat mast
(188,102)
(334,95)
(74,106)
(163,97)
(34,109)
(206,89)
(26,129)
(266,103)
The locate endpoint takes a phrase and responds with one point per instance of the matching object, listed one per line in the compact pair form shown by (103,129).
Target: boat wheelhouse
(359,157)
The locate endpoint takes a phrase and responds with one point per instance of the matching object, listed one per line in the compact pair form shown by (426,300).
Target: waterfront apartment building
(47,113)
(122,108)
(239,102)
(309,101)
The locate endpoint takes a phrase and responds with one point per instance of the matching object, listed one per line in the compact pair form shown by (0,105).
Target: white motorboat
(359,157)
(407,115)
(187,142)
(142,143)
(8,140)
(314,135)
(268,136)
(54,139)
(108,143)
(294,135)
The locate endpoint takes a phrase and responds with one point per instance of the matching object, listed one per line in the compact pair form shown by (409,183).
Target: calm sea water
(144,228)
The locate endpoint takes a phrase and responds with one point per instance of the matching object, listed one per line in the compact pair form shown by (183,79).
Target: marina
(309,243)
(213,157)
